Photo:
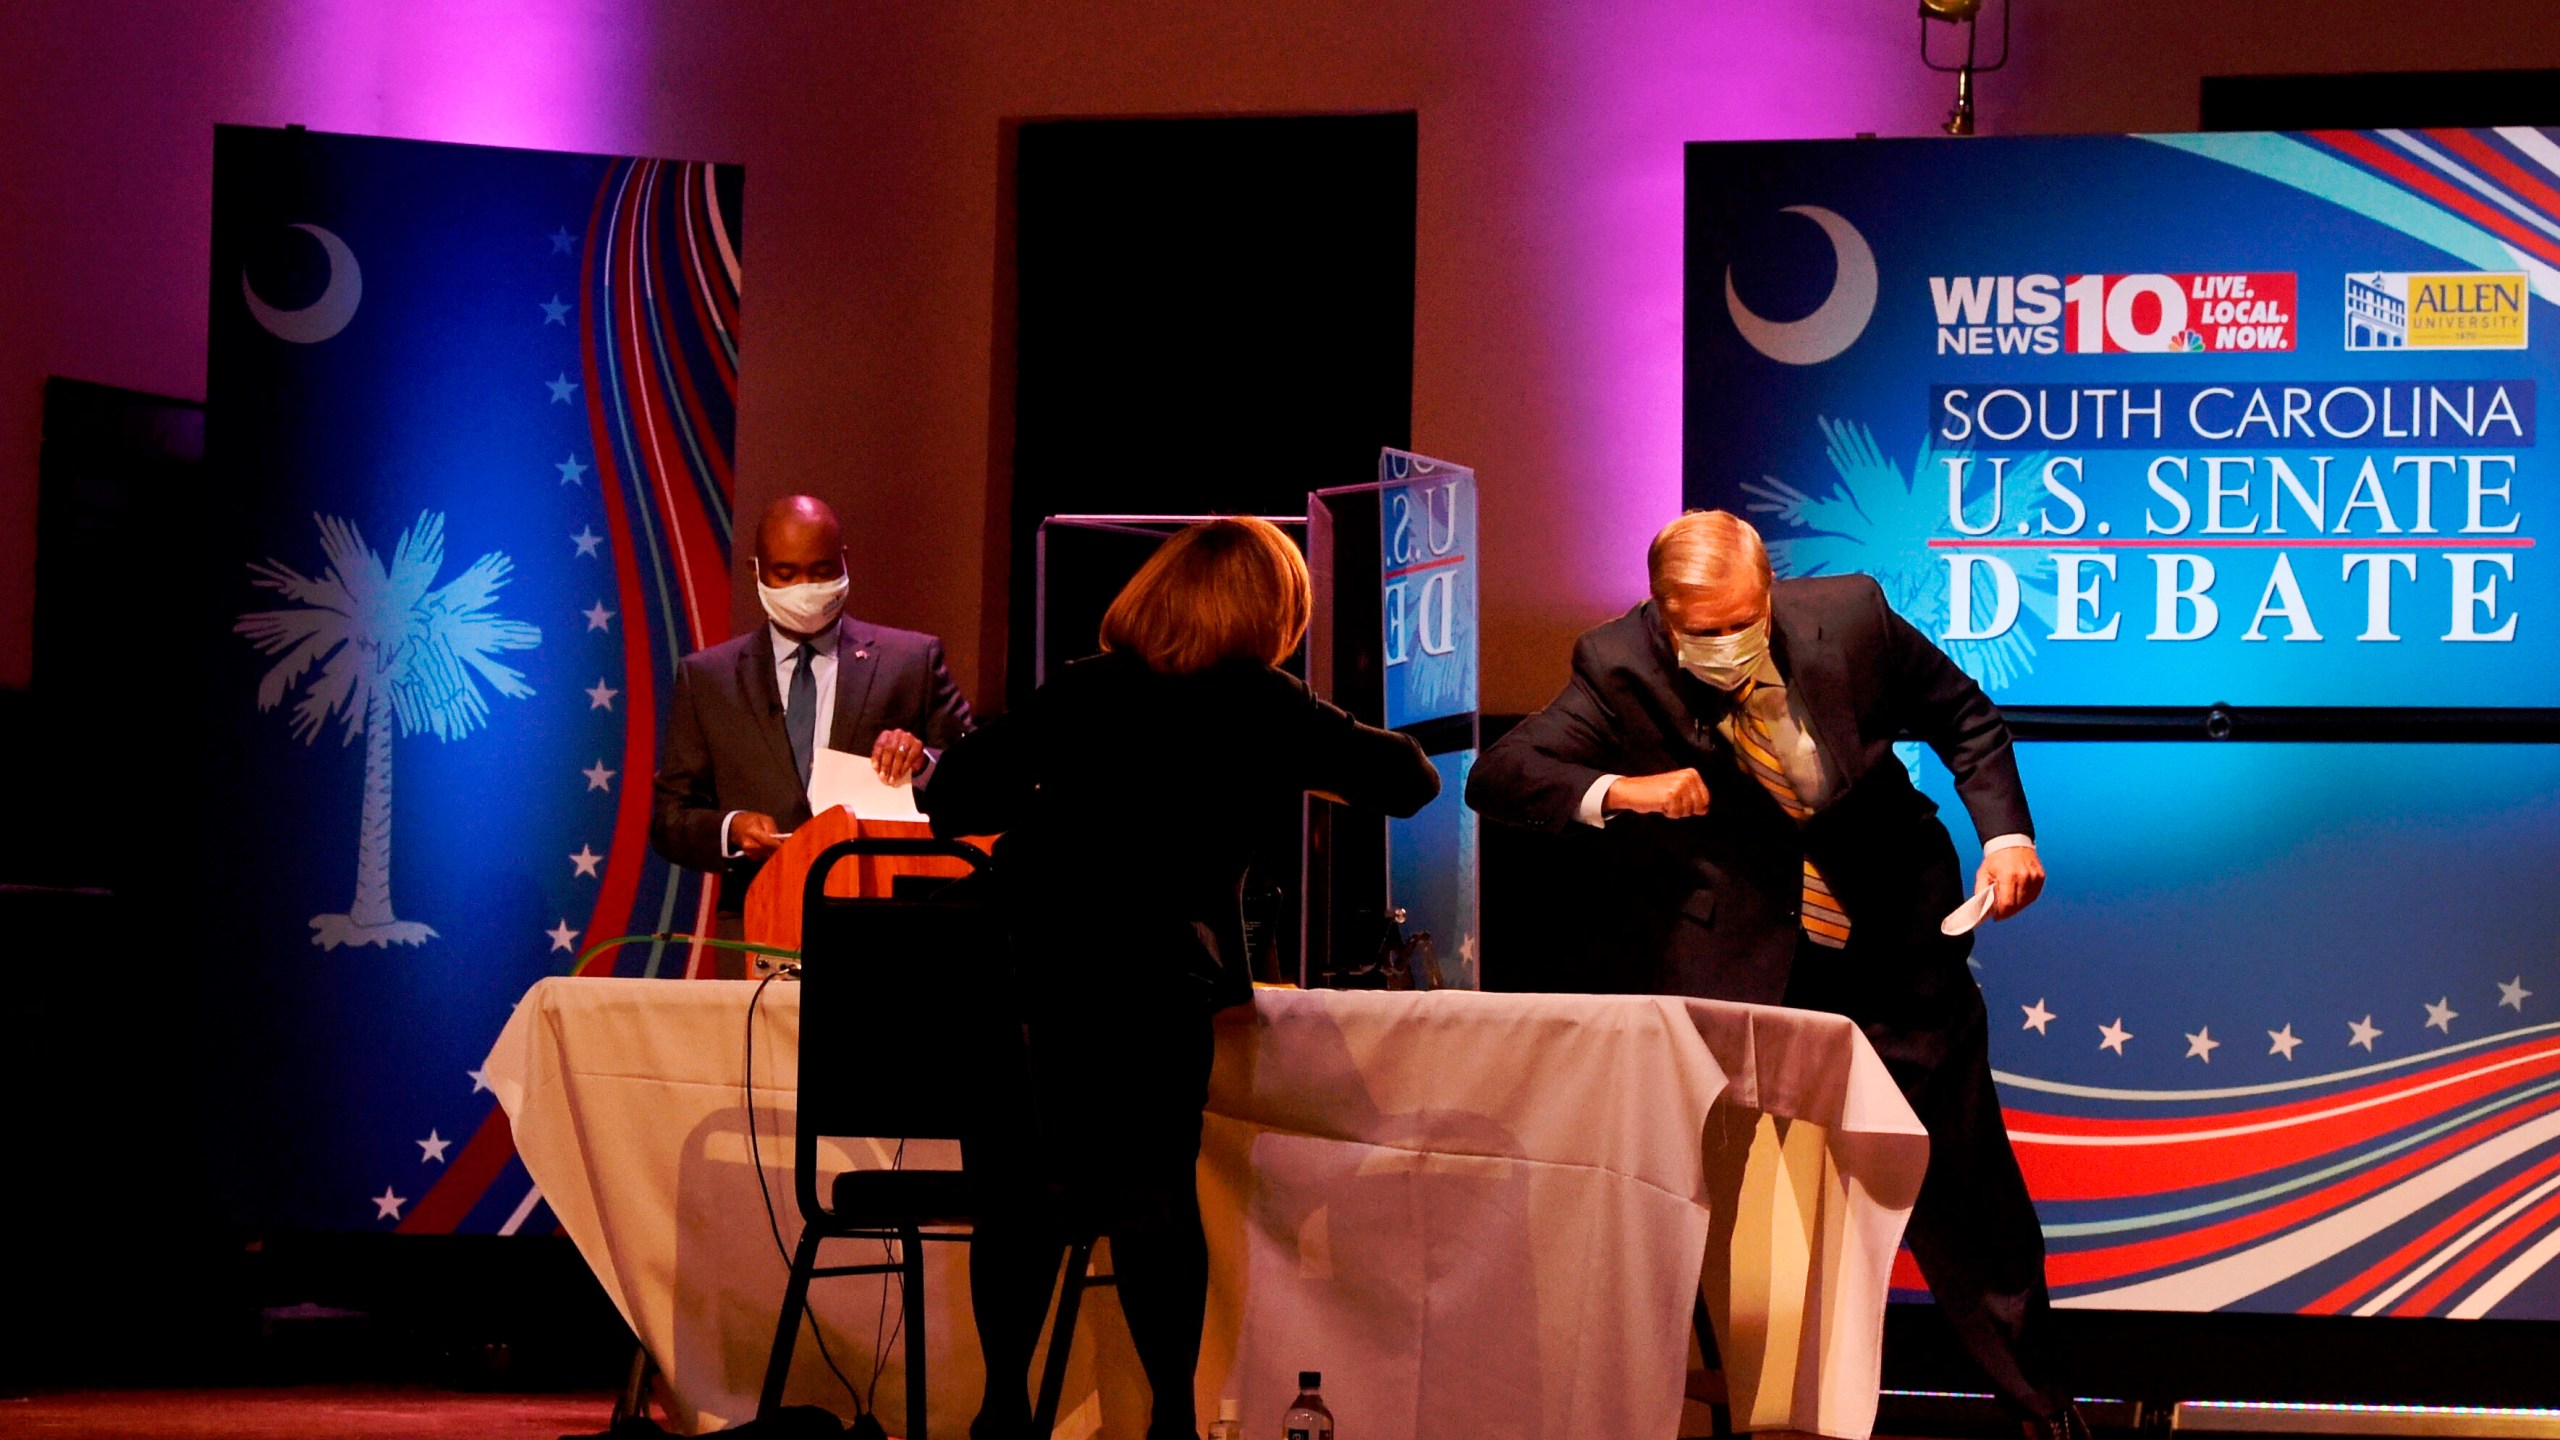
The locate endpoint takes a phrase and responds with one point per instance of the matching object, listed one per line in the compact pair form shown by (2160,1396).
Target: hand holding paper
(2009,881)
(1967,915)
(836,778)
(896,756)
(2015,876)
(755,835)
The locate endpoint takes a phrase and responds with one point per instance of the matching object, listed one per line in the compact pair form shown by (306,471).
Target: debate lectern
(772,909)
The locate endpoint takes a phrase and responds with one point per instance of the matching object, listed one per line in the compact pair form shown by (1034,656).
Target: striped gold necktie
(1825,923)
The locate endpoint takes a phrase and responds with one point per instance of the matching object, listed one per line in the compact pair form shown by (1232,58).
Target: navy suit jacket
(726,748)
(1711,902)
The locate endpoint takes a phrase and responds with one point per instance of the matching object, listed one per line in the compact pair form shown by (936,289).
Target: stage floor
(353,1412)
(311,1412)
(340,1412)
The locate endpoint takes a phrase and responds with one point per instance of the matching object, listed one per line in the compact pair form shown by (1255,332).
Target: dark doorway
(1212,316)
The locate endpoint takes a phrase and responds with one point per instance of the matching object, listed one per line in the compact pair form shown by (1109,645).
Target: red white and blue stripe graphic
(2427,1185)
(657,341)
(2506,182)
(2488,198)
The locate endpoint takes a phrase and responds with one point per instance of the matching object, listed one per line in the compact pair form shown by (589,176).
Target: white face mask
(806,608)
(1725,661)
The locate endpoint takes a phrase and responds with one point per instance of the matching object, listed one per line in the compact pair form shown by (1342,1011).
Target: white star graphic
(586,860)
(561,240)
(2115,1035)
(386,1206)
(586,539)
(600,696)
(572,473)
(2362,1032)
(2512,992)
(560,388)
(555,311)
(599,618)
(2201,1045)
(479,1080)
(2038,1017)
(433,1148)
(562,937)
(598,777)
(2284,1041)
(2440,1015)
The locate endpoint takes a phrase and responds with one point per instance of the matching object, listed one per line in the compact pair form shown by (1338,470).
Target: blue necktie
(800,715)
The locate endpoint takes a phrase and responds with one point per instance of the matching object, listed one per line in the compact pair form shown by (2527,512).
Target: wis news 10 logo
(2192,314)
(2465,310)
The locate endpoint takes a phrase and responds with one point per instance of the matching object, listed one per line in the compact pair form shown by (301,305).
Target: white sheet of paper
(836,778)
(1967,915)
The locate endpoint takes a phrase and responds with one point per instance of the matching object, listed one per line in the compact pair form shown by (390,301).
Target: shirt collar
(784,646)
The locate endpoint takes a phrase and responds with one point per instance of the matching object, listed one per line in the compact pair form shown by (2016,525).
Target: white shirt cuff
(2010,841)
(726,852)
(1592,799)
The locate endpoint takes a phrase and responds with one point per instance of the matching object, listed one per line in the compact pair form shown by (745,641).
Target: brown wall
(1548,286)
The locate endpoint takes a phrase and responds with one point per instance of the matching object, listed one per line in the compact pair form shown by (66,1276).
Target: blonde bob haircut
(1706,550)
(1224,589)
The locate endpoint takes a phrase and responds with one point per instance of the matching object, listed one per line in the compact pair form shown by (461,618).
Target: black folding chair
(908,1031)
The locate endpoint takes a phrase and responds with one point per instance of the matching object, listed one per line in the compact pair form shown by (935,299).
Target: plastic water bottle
(1307,1418)
(1230,1424)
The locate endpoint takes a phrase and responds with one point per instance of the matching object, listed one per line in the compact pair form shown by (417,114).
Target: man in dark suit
(1732,739)
(750,714)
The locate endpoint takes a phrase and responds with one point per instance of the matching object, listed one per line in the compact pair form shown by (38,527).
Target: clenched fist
(1678,794)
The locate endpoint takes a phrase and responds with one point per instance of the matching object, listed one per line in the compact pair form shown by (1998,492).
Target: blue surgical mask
(1725,661)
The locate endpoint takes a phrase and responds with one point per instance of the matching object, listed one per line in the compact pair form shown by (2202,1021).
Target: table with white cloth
(1479,1215)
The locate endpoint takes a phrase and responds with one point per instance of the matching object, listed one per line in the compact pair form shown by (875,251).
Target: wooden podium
(772,908)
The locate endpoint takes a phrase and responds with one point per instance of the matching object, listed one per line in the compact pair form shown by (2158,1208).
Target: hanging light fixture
(1968,14)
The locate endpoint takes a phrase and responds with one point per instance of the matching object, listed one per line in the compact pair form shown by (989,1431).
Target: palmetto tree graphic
(1875,520)
(388,650)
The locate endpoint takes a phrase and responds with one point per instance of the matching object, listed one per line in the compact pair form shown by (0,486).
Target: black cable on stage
(880,1343)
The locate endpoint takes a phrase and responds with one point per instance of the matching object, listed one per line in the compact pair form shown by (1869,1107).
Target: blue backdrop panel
(2176,420)
(1904,358)
(1428,565)
(473,411)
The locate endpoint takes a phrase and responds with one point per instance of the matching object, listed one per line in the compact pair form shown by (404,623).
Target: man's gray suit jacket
(726,748)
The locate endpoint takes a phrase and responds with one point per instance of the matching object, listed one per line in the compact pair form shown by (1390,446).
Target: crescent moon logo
(323,317)
(1834,324)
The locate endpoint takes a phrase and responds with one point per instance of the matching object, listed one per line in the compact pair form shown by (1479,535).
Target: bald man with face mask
(1729,743)
(749,715)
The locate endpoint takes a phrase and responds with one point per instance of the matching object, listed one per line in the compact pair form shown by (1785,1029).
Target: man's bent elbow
(1492,791)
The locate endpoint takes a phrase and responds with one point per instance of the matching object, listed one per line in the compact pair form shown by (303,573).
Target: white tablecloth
(1478,1215)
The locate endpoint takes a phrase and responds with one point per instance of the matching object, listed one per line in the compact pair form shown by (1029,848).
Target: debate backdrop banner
(472,411)
(2178,420)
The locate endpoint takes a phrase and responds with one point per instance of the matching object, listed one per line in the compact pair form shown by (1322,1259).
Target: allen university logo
(2467,310)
